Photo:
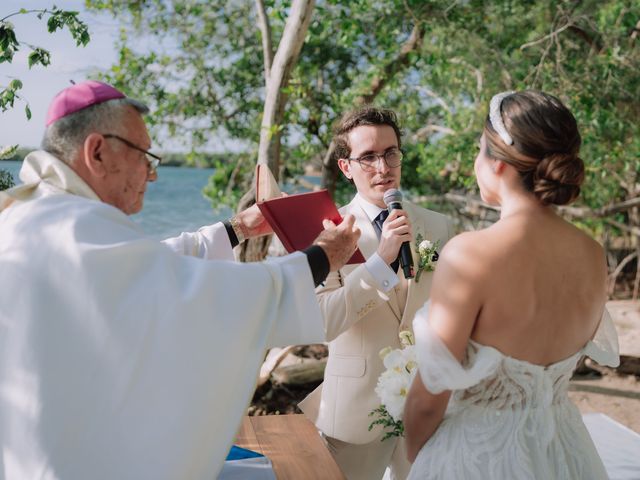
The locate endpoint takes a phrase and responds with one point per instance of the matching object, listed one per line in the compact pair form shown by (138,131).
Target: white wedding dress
(507,418)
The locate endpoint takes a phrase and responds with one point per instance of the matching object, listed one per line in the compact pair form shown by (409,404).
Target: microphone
(393,200)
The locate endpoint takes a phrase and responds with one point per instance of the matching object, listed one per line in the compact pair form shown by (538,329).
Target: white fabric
(371,210)
(618,446)
(507,418)
(381,272)
(119,358)
(210,242)
(43,174)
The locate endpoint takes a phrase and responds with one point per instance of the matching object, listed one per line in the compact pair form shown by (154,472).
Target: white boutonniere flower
(427,255)
(393,385)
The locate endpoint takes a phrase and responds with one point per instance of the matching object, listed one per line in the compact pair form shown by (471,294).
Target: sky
(68,62)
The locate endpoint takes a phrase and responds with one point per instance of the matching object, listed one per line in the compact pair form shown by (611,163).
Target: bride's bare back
(543,287)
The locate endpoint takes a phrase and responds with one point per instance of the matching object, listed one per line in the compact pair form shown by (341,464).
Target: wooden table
(292,443)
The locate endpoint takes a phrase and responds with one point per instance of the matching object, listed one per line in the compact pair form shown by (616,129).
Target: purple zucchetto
(83,95)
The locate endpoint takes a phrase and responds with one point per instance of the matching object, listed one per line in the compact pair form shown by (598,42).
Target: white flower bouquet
(393,385)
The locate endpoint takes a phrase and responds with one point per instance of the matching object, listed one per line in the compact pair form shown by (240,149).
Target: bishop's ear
(92,154)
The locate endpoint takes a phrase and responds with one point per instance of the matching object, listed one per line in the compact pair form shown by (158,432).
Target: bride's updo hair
(545,147)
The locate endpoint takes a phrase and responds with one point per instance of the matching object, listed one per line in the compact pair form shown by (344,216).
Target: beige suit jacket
(360,319)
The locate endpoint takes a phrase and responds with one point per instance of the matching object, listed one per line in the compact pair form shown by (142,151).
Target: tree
(436,63)
(10,45)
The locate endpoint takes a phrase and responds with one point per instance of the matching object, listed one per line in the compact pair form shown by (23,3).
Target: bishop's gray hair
(64,137)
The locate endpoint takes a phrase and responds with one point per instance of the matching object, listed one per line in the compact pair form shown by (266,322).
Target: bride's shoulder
(466,248)
(579,236)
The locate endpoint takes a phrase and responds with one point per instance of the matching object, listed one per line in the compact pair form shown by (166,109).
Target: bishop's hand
(339,242)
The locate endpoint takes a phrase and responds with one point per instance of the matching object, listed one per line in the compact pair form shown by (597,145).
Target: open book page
(266,185)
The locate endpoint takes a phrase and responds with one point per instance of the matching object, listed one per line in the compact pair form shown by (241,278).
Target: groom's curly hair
(367,115)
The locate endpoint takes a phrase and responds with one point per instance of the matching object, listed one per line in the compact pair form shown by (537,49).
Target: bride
(513,308)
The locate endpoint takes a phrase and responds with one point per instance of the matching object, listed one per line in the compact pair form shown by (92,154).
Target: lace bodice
(507,418)
(516,384)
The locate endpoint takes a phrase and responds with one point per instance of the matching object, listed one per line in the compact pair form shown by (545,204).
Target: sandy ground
(616,394)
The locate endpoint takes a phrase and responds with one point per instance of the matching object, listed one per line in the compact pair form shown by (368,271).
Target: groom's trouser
(369,461)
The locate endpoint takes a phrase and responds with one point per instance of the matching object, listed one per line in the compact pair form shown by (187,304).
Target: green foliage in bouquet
(393,428)
(6,180)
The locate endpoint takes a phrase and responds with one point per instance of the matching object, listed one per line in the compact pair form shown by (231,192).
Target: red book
(297,219)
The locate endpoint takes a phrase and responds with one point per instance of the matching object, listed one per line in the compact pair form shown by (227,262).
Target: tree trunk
(300,374)
(284,60)
(277,75)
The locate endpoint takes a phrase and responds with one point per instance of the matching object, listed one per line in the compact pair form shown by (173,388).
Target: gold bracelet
(237,229)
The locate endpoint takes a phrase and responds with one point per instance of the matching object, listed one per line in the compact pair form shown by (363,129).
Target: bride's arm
(423,412)
(455,302)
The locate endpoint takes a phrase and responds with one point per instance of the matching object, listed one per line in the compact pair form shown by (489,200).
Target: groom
(365,306)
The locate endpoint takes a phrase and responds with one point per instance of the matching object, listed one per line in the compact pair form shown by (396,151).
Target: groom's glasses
(154,160)
(369,161)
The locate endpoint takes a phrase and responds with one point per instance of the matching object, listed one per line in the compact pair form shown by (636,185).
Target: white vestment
(119,358)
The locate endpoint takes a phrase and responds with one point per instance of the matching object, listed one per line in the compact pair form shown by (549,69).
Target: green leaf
(6,180)
(27,111)
(33,58)
(41,56)
(15,84)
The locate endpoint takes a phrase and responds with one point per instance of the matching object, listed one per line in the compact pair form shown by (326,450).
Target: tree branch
(390,69)
(635,32)
(433,95)
(575,212)
(593,42)
(476,71)
(629,229)
(546,37)
(584,212)
(43,11)
(426,132)
(614,275)
(267,44)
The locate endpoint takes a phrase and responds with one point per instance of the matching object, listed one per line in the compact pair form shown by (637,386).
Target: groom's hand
(396,230)
(253,223)
(339,242)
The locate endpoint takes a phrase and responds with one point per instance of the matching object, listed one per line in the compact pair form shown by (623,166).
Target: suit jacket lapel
(368,242)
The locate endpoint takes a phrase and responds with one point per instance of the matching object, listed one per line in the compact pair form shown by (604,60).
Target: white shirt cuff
(381,272)
(210,242)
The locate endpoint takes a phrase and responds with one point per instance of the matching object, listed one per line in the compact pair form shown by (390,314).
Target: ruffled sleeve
(439,369)
(604,347)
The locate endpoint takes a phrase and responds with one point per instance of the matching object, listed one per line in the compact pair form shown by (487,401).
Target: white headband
(495,117)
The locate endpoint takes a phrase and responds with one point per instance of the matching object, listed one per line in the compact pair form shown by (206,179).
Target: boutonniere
(427,255)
